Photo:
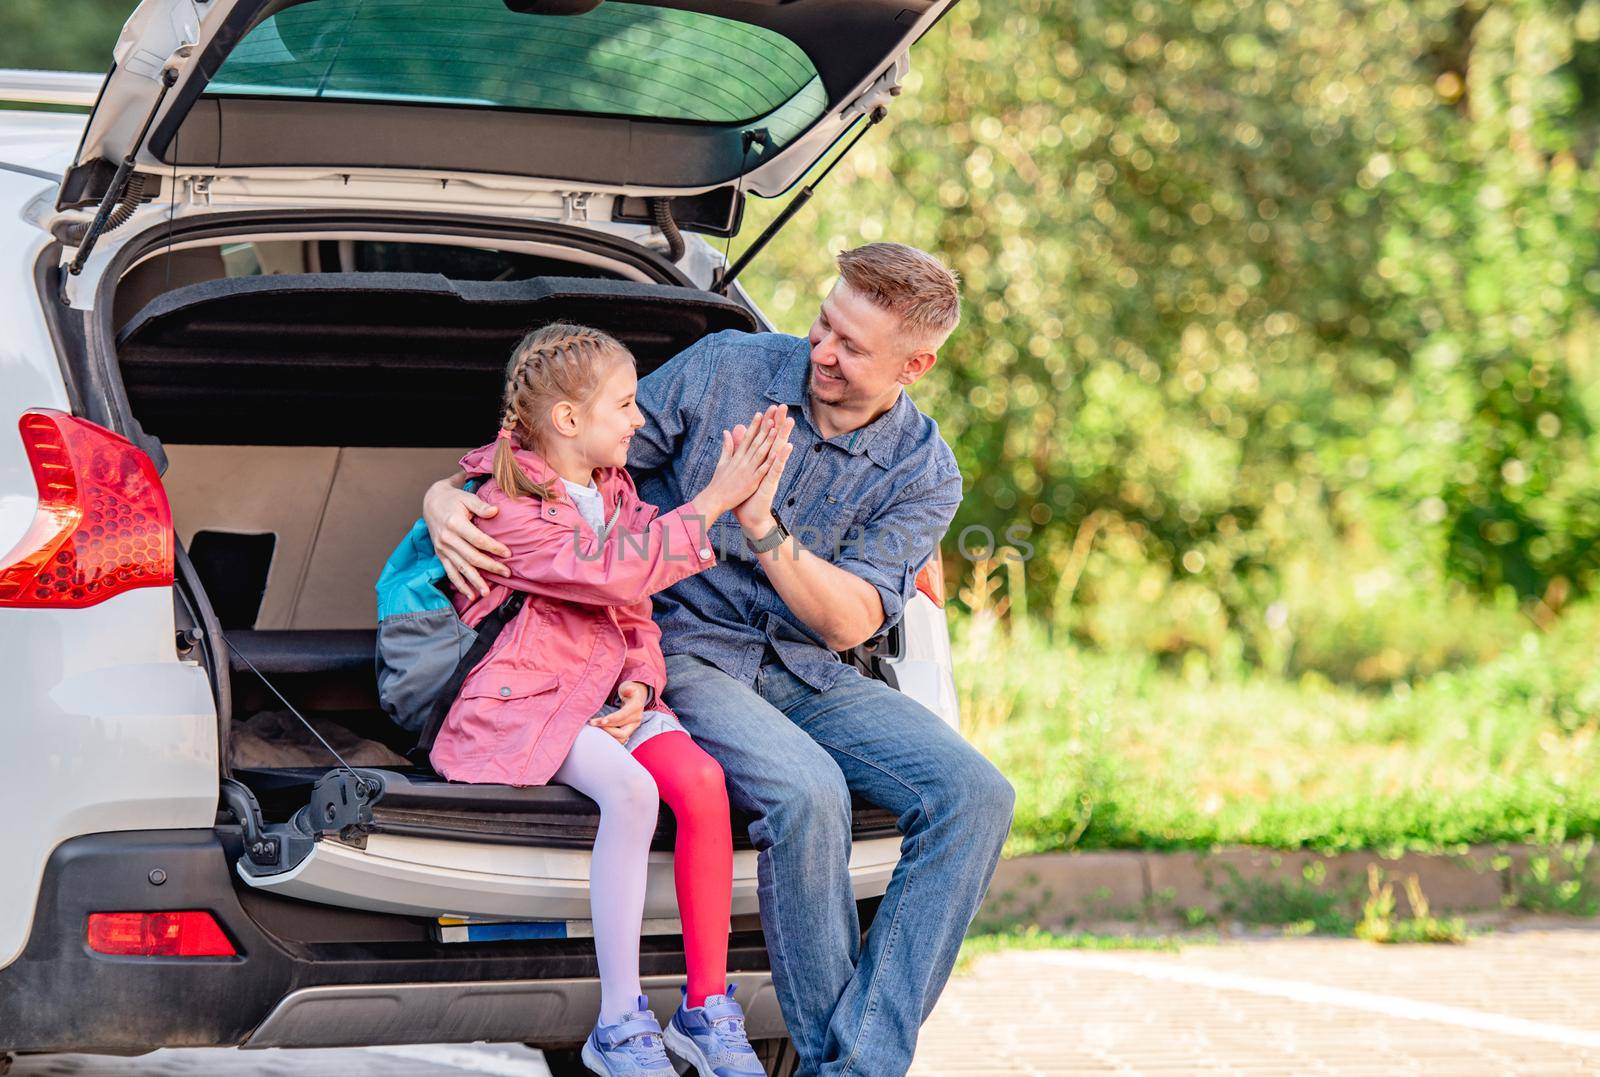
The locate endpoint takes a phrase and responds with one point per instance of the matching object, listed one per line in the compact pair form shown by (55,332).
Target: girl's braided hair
(559,362)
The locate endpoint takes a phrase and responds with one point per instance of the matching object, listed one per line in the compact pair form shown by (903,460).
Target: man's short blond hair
(913,285)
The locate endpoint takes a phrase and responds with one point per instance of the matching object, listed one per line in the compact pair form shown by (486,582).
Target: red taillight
(930,581)
(103,525)
(158,934)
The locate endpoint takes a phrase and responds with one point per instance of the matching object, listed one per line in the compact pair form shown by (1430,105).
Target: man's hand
(622,722)
(755,512)
(448,512)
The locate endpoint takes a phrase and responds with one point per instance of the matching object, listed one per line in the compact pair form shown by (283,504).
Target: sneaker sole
(686,1049)
(592,1059)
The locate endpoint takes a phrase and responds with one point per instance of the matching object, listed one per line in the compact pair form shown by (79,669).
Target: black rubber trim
(66,328)
(58,996)
(402,223)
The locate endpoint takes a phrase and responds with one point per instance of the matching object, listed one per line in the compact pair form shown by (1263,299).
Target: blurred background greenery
(1280,317)
(1282,339)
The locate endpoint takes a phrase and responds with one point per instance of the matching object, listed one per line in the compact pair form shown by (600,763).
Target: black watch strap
(771,540)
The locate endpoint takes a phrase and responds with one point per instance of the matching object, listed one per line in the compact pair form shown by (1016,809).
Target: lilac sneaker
(629,1048)
(711,1038)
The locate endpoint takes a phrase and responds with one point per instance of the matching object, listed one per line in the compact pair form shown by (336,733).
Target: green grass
(1114,750)
(1563,881)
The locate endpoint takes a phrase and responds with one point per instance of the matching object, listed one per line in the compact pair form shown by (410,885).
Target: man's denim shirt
(875,502)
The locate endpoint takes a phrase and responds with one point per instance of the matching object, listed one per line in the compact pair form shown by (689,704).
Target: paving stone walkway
(1524,1001)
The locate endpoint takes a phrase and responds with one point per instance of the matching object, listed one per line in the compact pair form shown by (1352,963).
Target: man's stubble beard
(841,391)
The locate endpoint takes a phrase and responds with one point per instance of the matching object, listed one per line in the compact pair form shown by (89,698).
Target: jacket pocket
(507,684)
(508,700)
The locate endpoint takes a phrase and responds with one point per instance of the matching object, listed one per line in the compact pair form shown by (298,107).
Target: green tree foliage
(73,36)
(1256,290)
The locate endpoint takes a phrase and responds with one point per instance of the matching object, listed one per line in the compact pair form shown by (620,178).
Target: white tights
(604,771)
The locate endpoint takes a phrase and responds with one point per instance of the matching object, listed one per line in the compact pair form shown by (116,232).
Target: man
(869,490)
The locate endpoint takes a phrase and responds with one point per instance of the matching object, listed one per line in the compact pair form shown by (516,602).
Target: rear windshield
(620,59)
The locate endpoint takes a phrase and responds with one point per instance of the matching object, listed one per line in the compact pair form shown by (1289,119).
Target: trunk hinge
(341,804)
(724,277)
(119,182)
(878,95)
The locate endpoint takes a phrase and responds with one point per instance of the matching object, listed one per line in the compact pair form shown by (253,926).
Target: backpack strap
(488,631)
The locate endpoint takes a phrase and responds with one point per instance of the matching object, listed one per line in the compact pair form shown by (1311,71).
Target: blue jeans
(792,756)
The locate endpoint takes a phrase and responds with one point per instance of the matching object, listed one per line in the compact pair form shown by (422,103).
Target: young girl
(571,690)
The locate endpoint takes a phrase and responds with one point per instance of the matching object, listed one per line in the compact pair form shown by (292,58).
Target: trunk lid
(674,98)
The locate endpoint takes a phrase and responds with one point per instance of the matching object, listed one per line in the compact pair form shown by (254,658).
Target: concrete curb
(1057,890)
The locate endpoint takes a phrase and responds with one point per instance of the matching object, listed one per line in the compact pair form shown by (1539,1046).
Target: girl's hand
(755,513)
(746,456)
(622,722)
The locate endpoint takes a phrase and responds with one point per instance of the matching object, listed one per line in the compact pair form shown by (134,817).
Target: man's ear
(916,365)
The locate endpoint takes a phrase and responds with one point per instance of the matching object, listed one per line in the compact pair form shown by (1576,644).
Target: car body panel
(105,730)
(301,976)
(39,140)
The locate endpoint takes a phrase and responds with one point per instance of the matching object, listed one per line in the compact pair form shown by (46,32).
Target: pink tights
(692,786)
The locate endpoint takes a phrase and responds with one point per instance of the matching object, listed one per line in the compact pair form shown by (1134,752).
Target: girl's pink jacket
(583,630)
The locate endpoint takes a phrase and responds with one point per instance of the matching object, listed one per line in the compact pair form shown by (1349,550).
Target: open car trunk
(302,417)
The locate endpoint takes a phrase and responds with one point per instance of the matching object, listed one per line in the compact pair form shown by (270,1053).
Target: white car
(254,304)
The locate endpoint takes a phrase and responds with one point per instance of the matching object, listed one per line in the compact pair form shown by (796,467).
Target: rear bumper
(304,975)
(562,1011)
(428,878)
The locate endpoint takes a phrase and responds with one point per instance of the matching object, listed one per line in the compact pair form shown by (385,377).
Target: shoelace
(730,1033)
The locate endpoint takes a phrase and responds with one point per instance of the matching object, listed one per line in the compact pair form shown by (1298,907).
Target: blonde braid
(558,362)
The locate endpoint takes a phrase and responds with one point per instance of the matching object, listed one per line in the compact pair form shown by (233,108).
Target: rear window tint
(620,59)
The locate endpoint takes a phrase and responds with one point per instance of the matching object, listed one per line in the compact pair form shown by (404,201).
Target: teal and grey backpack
(425,650)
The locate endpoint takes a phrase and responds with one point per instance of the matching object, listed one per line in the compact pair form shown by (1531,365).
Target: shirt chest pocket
(825,525)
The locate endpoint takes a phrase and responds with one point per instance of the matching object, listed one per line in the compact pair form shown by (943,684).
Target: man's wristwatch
(771,540)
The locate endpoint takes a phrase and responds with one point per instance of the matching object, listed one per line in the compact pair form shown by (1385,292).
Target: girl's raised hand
(747,455)
(755,512)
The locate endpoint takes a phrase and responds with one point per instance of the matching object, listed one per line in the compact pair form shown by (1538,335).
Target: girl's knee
(634,794)
(705,774)
(697,787)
